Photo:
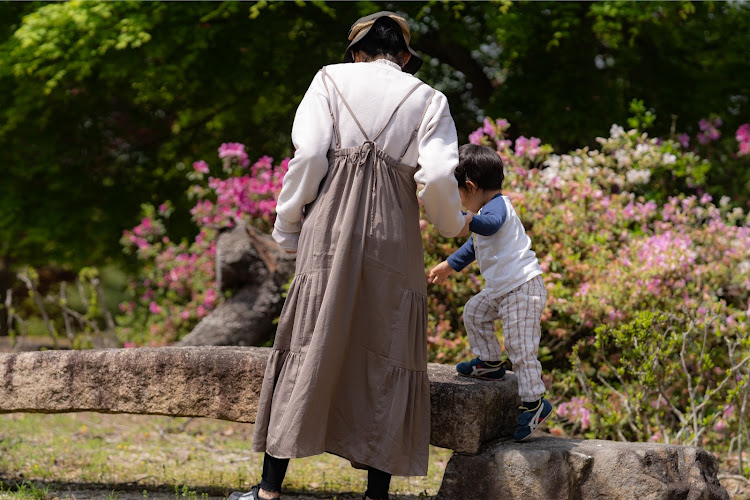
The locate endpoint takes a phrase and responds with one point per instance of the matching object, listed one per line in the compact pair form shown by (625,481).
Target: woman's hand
(468,216)
(439,273)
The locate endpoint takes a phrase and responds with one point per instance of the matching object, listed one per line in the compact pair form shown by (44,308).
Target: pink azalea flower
(200,166)
(503,145)
(489,128)
(521,144)
(476,137)
(743,137)
(234,150)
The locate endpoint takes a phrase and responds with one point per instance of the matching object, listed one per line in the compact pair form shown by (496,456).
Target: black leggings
(274,470)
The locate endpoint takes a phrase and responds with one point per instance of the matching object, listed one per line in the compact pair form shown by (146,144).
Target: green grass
(24,491)
(153,451)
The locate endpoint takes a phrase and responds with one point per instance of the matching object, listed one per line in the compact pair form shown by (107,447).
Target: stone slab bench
(471,417)
(222,383)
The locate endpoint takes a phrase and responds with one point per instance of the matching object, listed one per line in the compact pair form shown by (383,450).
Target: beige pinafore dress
(347,372)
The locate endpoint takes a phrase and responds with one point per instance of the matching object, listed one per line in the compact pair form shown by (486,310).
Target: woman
(347,373)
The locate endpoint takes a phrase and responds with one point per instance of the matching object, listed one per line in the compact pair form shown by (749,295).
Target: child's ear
(471,186)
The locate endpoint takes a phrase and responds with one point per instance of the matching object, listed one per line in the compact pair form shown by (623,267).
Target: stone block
(465,413)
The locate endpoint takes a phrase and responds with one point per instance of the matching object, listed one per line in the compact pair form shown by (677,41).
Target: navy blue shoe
(485,370)
(530,419)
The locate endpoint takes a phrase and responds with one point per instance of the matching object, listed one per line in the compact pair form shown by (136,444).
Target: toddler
(514,290)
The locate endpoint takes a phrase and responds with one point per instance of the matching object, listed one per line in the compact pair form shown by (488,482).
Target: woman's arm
(311,135)
(438,158)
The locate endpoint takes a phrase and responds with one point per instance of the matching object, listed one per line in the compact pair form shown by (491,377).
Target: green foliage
(100,100)
(571,69)
(642,118)
(674,377)
(446,334)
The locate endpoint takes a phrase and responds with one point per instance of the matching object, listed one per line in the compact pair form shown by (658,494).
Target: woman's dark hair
(384,38)
(481,165)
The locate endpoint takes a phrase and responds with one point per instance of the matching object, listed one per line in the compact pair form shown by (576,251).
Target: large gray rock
(244,319)
(251,264)
(553,468)
(224,383)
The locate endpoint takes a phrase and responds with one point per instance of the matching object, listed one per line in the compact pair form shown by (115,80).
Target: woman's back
(373,91)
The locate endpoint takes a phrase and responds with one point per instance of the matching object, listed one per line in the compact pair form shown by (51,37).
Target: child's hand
(468,216)
(439,273)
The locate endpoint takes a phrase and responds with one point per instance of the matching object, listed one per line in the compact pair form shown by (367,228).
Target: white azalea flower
(668,158)
(616,131)
(553,161)
(638,176)
(641,149)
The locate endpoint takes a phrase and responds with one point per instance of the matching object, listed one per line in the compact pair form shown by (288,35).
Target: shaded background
(104,105)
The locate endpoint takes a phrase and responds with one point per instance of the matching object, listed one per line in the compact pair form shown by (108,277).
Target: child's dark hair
(481,165)
(384,38)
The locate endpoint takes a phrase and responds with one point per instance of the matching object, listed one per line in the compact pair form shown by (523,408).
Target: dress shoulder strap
(416,129)
(338,135)
(330,110)
(398,106)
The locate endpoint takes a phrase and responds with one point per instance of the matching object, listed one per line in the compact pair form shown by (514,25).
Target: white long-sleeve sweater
(373,90)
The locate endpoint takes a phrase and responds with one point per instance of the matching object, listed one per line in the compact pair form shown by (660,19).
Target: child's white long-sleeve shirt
(373,90)
(501,246)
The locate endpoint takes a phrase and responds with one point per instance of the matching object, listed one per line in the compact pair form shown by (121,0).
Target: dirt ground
(738,489)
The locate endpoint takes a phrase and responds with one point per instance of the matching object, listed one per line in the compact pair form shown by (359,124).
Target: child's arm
(491,219)
(439,273)
(456,262)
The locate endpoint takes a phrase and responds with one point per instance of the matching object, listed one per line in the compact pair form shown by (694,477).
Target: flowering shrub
(177,286)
